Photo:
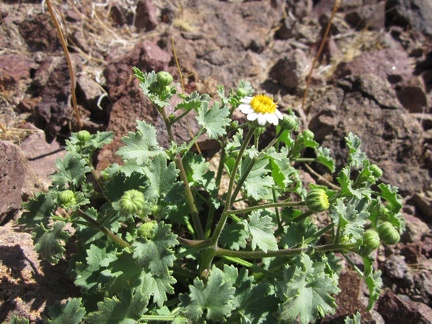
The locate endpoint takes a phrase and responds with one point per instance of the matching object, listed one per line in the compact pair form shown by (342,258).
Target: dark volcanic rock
(11,180)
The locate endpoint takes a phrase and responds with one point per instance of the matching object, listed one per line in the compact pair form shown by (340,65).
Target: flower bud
(376,171)
(156,87)
(317,200)
(132,201)
(288,122)
(83,136)
(388,233)
(371,240)
(164,78)
(241,92)
(147,230)
(67,198)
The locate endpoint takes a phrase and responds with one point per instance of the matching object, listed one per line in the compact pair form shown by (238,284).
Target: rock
(94,98)
(415,229)
(390,64)
(11,180)
(351,299)
(395,310)
(15,67)
(40,158)
(291,70)
(424,204)
(40,34)
(415,13)
(367,16)
(54,110)
(146,18)
(28,284)
(412,96)
(390,137)
(398,271)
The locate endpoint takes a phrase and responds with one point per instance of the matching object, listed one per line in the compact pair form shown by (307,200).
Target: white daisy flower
(260,108)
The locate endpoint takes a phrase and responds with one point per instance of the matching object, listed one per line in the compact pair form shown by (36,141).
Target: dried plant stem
(69,62)
(335,8)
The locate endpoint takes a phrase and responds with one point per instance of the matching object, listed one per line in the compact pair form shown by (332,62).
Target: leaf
(306,292)
(351,217)
(125,271)
(71,170)
(71,313)
(161,177)
(38,209)
(356,156)
(142,145)
(156,255)
(261,229)
(356,319)
(120,182)
(18,320)
(390,193)
(252,302)
(213,300)
(258,182)
(346,188)
(126,308)
(198,172)
(373,281)
(48,241)
(296,233)
(214,120)
(282,171)
(158,287)
(324,157)
(193,101)
(88,275)
(234,236)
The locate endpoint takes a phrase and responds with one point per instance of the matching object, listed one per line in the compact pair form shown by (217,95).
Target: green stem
(188,192)
(220,225)
(176,119)
(264,206)
(103,229)
(282,253)
(251,164)
(192,142)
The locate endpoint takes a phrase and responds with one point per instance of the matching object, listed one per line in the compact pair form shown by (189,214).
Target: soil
(373,78)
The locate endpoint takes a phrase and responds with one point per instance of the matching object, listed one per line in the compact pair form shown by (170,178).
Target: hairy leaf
(306,292)
(261,229)
(161,177)
(71,313)
(71,171)
(214,119)
(155,255)
(48,241)
(234,236)
(38,209)
(356,156)
(212,300)
(126,308)
(351,217)
(258,182)
(142,145)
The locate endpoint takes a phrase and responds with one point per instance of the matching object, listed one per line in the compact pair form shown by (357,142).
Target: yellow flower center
(263,104)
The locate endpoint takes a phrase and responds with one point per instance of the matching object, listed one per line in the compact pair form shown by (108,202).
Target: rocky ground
(373,78)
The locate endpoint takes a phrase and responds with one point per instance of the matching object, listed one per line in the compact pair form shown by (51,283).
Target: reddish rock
(15,67)
(54,111)
(390,64)
(398,311)
(146,18)
(415,229)
(11,180)
(40,34)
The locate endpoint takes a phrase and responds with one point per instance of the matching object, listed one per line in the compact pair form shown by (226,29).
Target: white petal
(252,116)
(272,118)
(278,114)
(246,100)
(245,109)
(262,120)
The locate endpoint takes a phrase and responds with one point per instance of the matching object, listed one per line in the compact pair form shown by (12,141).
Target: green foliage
(169,236)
